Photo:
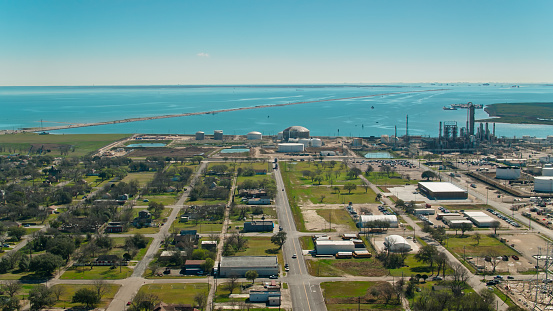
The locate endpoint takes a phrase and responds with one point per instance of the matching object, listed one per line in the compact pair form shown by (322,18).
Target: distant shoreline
(79,125)
(520,113)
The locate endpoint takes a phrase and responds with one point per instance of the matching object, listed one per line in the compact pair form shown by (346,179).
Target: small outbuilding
(396,243)
(329,247)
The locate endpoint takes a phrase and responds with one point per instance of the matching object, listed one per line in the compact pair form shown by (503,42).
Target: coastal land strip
(520,113)
(77,125)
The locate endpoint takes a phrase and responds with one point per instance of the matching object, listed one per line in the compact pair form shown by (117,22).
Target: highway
(305,290)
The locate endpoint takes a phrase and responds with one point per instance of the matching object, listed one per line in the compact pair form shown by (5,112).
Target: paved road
(305,290)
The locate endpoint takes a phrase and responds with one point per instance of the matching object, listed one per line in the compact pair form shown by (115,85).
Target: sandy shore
(61,127)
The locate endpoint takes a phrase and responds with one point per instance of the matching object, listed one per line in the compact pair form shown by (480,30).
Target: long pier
(77,125)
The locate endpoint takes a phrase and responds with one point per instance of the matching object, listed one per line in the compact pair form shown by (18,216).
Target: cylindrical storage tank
(534,169)
(543,184)
(279,136)
(200,135)
(357,142)
(290,147)
(384,138)
(254,136)
(396,243)
(305,141)
(295,132)
(316,142)
(547,171)
(218,135)
(508,173)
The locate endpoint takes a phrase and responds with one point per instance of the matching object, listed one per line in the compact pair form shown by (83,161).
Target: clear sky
(283,42)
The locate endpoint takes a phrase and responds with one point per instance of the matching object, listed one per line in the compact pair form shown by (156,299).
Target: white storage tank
(279,136)
(290,147)
(316,142)
(396,243)
(305,141)
(200,135)
(547,170)
(543,184)
(508,173)
(254,136)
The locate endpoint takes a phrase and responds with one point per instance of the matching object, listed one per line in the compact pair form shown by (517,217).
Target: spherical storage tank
(396,243)
(509,173)
(543,184)
(200,135)
(316,142)
(255,136)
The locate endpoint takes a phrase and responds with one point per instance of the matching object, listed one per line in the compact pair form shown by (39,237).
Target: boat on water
(449,108)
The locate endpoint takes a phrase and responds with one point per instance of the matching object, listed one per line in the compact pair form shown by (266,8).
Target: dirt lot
(315,222)
(527,244)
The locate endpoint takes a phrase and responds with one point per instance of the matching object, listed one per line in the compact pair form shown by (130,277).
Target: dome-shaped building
(254,136)
(295,132)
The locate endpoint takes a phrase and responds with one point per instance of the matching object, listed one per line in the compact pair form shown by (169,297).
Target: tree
(207,266)
(428,175)
(101,288)
(144,301)
(354,172)
(494,258)
(41,296)
(369,170)
(197,159)
(232,283)
(11,287)
(427,254)
(57,291)
(460,276)
(279,239)
(86,296)
(495,224)
(349,186)
(466,227)
(46,263)
(16,232)
(252,275)
(477,237)
(201,300)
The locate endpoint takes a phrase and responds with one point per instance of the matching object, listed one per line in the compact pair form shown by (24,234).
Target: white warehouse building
(396,243)
(239,265)
(543,184)
(329,247)
(391,219)
(480,219)
(507,172)
(291,147)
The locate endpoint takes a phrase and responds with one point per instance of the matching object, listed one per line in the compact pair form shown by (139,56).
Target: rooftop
(250,261)
(441,187)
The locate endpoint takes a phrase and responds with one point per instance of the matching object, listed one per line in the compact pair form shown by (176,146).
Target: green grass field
(394,179)
(337,217)
(202,227)
(69,290)
(355,296)
(176,292)
(97,273)
(468,246)
(142,177)
(83,143)
(341,267)
(306,242)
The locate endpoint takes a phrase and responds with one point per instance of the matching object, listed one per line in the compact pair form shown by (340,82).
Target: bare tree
(460,276)
(201,300)
(58,291)
(101,288)
(11,287)
(494,258)
(232,283)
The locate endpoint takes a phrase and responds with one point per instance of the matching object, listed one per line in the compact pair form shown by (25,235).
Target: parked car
(510,277)
(273,277)
(437,278)
(515,257)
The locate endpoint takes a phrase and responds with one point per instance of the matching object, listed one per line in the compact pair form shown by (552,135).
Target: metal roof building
(239,265)
(329,247)
(391,219)
(396,243)
(442,191)
(480,219)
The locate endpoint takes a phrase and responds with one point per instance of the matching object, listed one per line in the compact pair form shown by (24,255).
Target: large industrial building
(239,265)
(543,184)
(295,132)
(507,172)
(480,219)
(396,243)
(329,247)
(391,219)
(442,191)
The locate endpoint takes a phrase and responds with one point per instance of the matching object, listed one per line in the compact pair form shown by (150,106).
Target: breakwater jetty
(77,125)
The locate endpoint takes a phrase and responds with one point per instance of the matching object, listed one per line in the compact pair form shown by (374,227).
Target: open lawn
(296,172)
(165,199)
(176,292)
(68,291)
(356,296)
(222,293)
(96,273)
(467,245)
(202,226)
(143,178)
(306,242)
(394,179)
(119,243)
(81,144)
(337,217)
(258,246)
(315,195)
(341,267)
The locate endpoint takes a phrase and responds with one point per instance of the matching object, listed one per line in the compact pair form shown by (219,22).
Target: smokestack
(471,118)
(440,136)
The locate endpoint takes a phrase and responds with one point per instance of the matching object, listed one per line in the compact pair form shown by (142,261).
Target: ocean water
(370,116)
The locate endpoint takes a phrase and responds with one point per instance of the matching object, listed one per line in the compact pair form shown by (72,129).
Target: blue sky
(263,42)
